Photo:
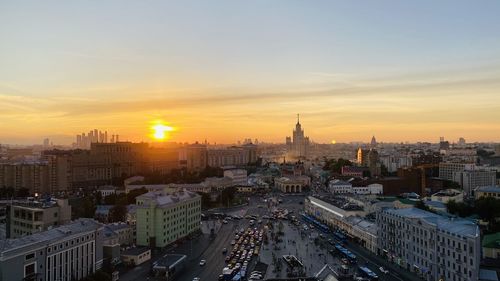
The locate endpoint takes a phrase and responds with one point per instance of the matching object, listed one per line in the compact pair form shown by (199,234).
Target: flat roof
(493,189)
(54,235)
(453,225)
(135,251)
(169,261)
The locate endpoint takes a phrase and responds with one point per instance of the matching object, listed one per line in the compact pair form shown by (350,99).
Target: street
(296,241)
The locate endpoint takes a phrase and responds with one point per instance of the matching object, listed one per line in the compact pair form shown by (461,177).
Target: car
(224,221)
(203,262)
(383,270)
(196,279)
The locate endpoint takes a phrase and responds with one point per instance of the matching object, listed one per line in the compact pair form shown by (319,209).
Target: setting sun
(160,131)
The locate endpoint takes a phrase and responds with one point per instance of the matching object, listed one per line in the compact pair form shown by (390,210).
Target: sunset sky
(229,70)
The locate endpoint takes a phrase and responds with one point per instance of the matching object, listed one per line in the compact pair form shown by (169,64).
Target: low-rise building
(119,233)
(448,194)
(488,191)
(169,266)
(326,212)
(374,188)
(491,246)
(136,256)
(340,187)
(28,217)
(238,176)
(292,184)
(107,190)
(365,232)
(433,246)
(352,171)
(163,218)
(69,252)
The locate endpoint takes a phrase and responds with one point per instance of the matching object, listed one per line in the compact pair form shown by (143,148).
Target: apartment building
(66,253)
(432,246)
(447,169)
(29,217)
(163,218)
(471,180)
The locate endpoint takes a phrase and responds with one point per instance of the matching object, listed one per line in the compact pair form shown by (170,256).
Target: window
(29,256)
(29,269)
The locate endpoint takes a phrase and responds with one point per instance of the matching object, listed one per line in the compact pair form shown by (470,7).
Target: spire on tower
(298,120)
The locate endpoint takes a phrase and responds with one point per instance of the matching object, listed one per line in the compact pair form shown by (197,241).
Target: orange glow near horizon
(160,131)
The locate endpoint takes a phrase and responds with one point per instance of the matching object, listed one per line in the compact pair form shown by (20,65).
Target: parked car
(203,262)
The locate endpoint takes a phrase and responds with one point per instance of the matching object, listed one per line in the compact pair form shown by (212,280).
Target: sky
(225,70)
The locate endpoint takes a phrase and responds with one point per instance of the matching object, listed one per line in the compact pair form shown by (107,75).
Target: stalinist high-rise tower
(300,144)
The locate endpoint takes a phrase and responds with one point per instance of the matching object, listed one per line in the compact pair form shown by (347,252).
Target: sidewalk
(398,271)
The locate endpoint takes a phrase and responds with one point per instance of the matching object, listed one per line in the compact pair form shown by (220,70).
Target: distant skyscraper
(373,143)
(46,142)
(300,143)
(83,140)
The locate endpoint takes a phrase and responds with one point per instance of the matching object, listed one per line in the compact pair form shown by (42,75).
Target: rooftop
(76,227)
(135,251)
(494,189)
(457,226)
(169,261)
(164,199)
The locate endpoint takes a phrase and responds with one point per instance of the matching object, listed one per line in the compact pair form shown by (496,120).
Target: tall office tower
(106,136)
(96,136)
(112,138)
(46,142)
(78,141)
(117,138)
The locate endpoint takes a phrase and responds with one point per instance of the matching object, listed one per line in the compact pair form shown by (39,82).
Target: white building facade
(432,246)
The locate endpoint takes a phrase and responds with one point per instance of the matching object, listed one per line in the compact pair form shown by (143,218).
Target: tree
(205,200)
(488,208)
(88,208)
(335,165)
(118,213)
(421,205)
(98,198)
(227,195)
(22,192)
(7,192)
(134,193)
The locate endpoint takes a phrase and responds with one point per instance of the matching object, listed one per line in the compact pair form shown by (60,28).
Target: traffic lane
(210,271)
(374,264)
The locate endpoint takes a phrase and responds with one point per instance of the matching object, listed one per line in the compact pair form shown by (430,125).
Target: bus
(346,253)
(339,236)
(318,224)
(366,272)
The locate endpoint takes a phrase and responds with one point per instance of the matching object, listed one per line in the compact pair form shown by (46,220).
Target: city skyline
(224,71)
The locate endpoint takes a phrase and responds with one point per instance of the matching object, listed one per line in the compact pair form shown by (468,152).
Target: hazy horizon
(228,70)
